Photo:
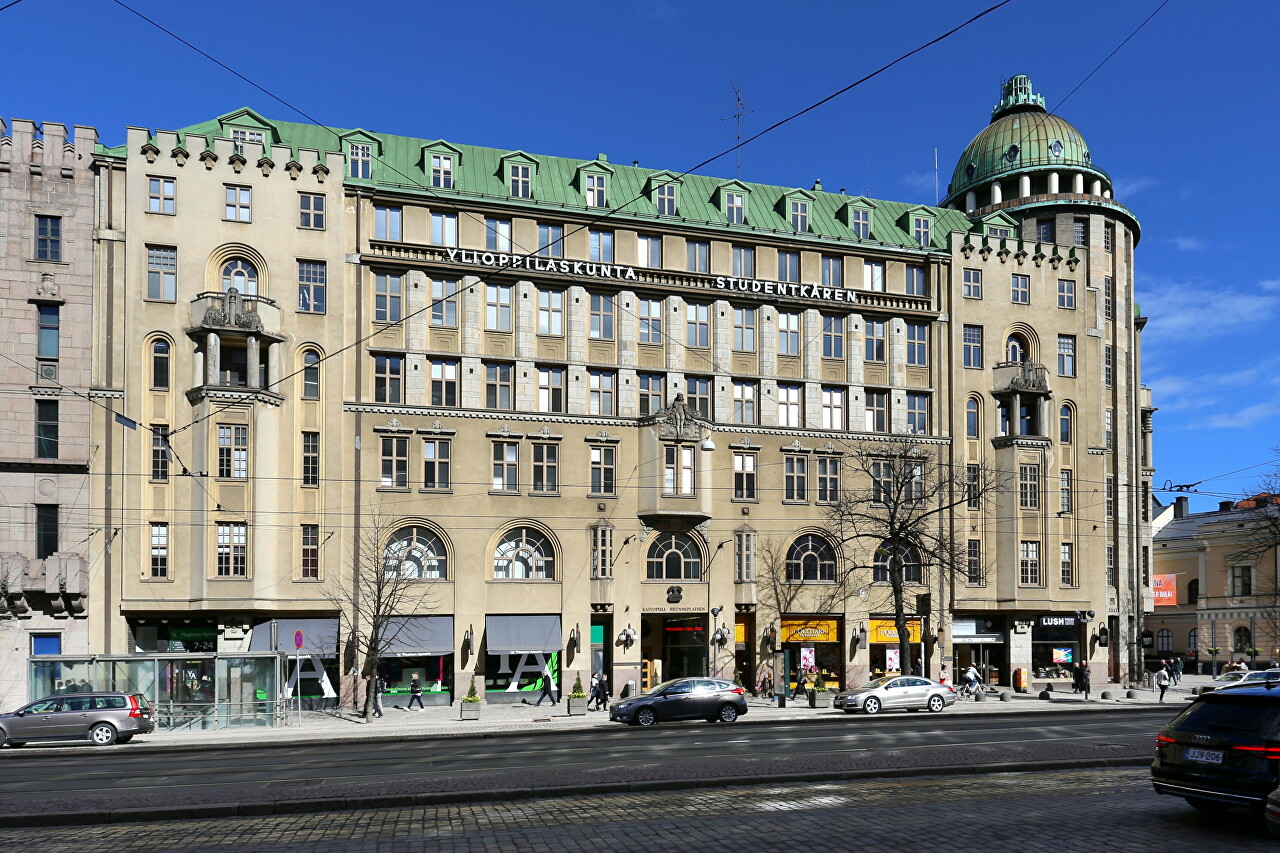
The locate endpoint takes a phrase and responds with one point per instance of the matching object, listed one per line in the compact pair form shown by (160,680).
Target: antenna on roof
(740,111)
(936,198)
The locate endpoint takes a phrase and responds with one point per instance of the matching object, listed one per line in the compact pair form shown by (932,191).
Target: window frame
(48,238)
(237,203)
(313,281)
(162,273)
(162,195)
(437,458)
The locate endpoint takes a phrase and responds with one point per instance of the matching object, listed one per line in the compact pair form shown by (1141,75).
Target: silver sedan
(895,692)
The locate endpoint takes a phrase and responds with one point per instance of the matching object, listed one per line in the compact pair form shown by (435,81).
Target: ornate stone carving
(232,314)
(680,422)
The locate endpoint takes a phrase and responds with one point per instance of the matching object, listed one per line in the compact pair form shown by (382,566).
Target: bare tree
(895,504)
(1258,545)
(387,581)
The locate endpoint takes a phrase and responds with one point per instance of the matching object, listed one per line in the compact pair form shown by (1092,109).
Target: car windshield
(658,688)
(879,682)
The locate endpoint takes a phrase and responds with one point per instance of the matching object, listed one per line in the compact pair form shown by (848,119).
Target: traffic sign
(297,639)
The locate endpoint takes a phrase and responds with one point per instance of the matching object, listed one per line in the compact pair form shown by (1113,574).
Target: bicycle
(970,690)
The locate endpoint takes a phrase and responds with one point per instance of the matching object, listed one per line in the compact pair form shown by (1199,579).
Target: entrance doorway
(674,647)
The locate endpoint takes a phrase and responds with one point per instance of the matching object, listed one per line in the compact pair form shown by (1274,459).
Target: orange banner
(1164,589)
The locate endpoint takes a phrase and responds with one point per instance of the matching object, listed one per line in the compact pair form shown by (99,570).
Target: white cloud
(1271,284)
(1124,189)
(1188,244)
(1245,417)
(921,182)
(1187,311)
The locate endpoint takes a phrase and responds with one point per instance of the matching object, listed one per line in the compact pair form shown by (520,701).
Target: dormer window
(666,200)
(920,229)
(735,208)
(442,171)
(361,159)
(596,191)
(521,180)
(800,216)
(239,137)
(860,223)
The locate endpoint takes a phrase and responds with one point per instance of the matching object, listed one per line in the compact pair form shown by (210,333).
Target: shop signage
(668,609)
(1164,590)
(1057,622)
(193,638)
(885,631)
(740,632)
(810,631)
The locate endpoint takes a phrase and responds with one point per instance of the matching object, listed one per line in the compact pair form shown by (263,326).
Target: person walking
(548,689)
(415,693)
(1086,678)
(1178,664)
(1162,682)
(593,691)
(766,687)
(379,687)
(602,688)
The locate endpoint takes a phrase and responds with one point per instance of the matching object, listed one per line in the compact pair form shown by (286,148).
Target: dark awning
(319,637)
(512,635)
(418,635)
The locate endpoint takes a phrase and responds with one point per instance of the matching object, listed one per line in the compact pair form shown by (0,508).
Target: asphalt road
(67,778)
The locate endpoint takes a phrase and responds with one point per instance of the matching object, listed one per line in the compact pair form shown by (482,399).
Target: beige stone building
(585,406)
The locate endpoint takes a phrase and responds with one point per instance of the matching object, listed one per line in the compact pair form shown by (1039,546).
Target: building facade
(588,411)
(46,291)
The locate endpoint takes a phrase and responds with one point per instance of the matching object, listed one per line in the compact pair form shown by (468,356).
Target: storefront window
(814,647)
(1055,646)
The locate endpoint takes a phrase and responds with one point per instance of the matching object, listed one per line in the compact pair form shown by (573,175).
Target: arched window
(415,552)
(1193,591)
(160,364)
(1242,639)
(241,275)
(674,556)
(971,418)
(311,375)
(1164,640)
(904,555)
(1016,350)
(524,554)
(1193,640)
(811,558)
(1064,425)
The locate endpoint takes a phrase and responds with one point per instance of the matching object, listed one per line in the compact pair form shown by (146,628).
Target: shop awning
(319,637)
(418,635)
(513,635)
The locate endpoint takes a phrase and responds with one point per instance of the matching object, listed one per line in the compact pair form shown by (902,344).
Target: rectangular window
(973,284)
(881,481)
(444,229)
(832,337)
(915,281)
(436,455)
(697,325)
(48,238)
(972,473)
(860,223)
(312,278)
(1108,429)
(395,462)
(917,414)
(1000,232)
(1111,565)
(361,160)
(1109,498)
(1020,289)
(744,329)
(46,530)
(649,251)
(920,229)
(233,550)
(877,419)
(159,550)
(873,276)
(601,551)
(551,389)
(602,316)
(650,321)
(744,476)
(444,303)
(1108,297)
(387,298)
(1109,365)
(444,383)
(790,411)
(744,262)
(310,552)
(973,346)
(603,470)
(386,223)
(388,378)
(601,246)
(698,256)
(800,216)
(1241,581)
(311,211)
(744,555)
(651,393)
(160,453)
(596,185)
(788,333)
(1066,355)
(497,234)
(48,323)
(833,407)
(917,344)
(1045,231)
(546,467)
(677,470)
(161,195)
(1029,486)
(789,266)
(498,386)
(311,459)
(241,137)
(795,478)
(832,271)
(1068,564)
(233,451)
(735,208)
(46,429)
(698,394)
(1108,237)
(239,203)
(1066,498)
(521,181)
(442,171)
(1066,293)
(1080,232)
(162,273)
(551,313)
(551,241)
(828,479)
(601,386)
(973,562)
(1029,564)
(873,337)
(744,402)
(666,196)
(497,307)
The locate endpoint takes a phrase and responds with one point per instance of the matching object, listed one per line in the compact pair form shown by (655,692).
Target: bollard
(1045,694)
(1006,696)
(1131,694)
(1106,694)
(980,696)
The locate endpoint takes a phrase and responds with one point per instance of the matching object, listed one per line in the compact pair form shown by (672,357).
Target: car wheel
(646,717)
(936,704)
(103,734)
(728,714)
(871,706)
(1207,805)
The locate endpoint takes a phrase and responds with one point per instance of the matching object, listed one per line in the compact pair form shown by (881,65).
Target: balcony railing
(1020,376)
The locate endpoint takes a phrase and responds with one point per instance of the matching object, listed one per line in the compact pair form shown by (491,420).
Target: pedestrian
(593,691)
(801,691)
(1178,664)
(415,693)
(766,687)
(915,668)
(548,689)
(379,687)
(1086,678)
(1075,677)
(1162,682)
(602,686)
(942,674)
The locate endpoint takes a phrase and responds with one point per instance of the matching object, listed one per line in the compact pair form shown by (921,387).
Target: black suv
(1223,750)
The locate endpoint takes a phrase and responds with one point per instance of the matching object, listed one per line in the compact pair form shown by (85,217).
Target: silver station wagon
(101,718)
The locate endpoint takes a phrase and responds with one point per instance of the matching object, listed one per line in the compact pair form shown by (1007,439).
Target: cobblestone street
(1074,810)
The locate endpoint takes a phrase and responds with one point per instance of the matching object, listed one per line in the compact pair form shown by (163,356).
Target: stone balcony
(1025,376)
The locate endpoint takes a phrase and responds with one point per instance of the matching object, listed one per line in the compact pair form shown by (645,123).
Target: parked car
(1223,749)
(707,699)
(1250,677)
(895,692)
(102,718)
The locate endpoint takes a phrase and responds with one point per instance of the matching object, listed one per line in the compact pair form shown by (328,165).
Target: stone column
(213,357)
(252,369)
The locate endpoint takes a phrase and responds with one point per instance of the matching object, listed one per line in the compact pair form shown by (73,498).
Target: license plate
(1205,756)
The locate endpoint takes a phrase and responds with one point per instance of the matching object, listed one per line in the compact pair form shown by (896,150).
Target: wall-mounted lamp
(627,636)
(575,638)
(721,636)
(1104,636)
(859,637)
(467,639)
(707,445)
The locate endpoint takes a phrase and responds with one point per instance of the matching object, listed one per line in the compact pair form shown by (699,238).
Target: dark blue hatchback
(710,699)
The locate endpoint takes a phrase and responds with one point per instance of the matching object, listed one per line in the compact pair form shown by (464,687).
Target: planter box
(468,710)
(577,706)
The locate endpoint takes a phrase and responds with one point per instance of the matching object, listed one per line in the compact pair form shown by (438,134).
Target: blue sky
(1182,117)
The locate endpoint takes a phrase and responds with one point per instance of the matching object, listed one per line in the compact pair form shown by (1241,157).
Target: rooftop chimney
(1180,506)
(1226,506)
